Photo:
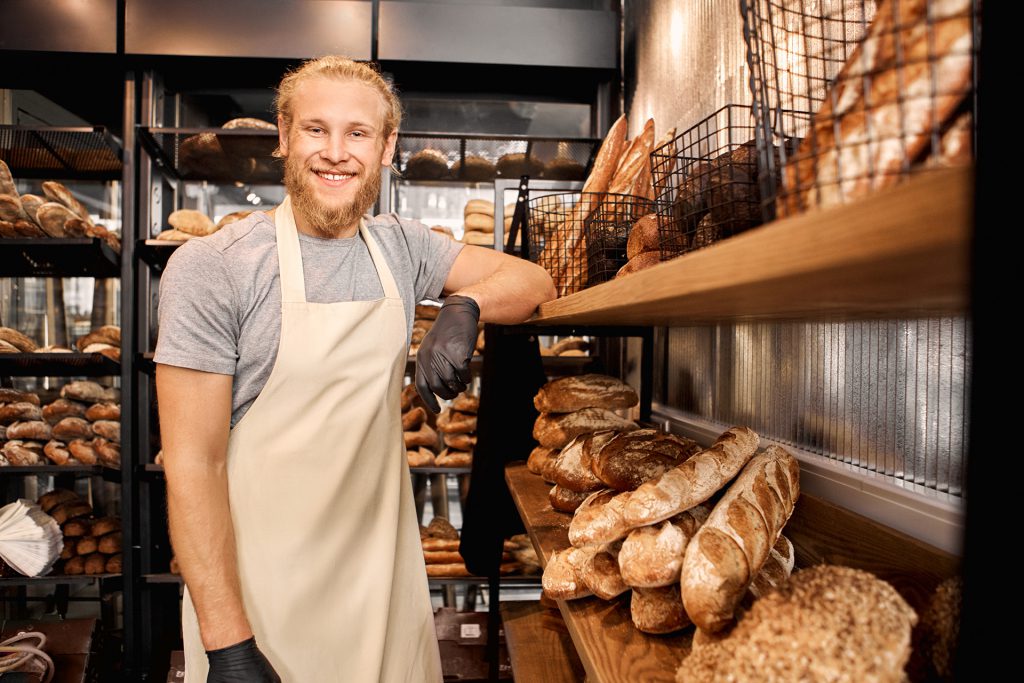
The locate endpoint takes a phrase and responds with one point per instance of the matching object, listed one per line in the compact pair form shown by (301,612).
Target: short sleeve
(198,312)
(432,254)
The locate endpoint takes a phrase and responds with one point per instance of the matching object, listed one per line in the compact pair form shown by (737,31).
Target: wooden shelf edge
(903,251)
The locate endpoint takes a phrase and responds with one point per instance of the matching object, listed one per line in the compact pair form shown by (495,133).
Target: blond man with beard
(282,347)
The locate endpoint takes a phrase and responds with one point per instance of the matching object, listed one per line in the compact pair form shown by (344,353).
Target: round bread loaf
(632,458)
(420,457)
(827,623)
(564,499)
(465,403)
(426,164)
(83,452)
(193,222)
(477,169)
(450,458)
(105,525)
(643,236)
(52,499)
(481,206)
(57,452)
(108,452)
(20,411)
(516,165)
(555,430)
(460,442)
(103,411)
(569,471)
(15,396)
(569,394)
(85,545)
(76,528)
(478,222)
(658,610)
(75,566)
(71,428)
(539,458)
(35,430)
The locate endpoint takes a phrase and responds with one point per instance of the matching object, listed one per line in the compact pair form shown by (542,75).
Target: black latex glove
(442,362)
(240,663)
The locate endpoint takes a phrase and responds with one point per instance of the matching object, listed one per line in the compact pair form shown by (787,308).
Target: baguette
(434,544)
(56,192)
(600,573)
(556,430)
(652,556)
(449,570)
(442,557)
(600,521)
(693,482)
(730,548)
(775,571)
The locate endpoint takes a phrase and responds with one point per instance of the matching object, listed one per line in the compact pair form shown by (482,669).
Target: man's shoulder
(255,230)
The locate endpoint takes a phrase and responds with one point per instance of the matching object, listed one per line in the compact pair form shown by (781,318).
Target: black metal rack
(80,152)
(58,365)
(156,252)
(65,257)
(215,154)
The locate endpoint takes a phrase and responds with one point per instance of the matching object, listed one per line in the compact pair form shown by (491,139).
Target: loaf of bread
(652,556)
(193,222)
(732,545)
(658,610)
(563,574)
(569,472)
(518,164)
(108,452)
(600,521)
(442,557)
(14,396)
(22,411)
(440,544)
(104,526)
(107,429)
(639,262)
(476,169)
(450,458)
(643,236)
(83,452)
(114,564)
(592,445)
(88,392)
(76,528)
(51,499)
(573,393)
(775,571)
(440,527)
(106,334)
(600,573)
(86,545)
(565,500)
(632,458)
(23,453)
(57,452)
(692,482)
(109,544)
(75,566)
(95,563)
(542,461)
(481,206)
(424,436)
(454,422)
(427,164)
(826,623)
(477,222)
(420,457)
(63,408)
(101,411)
(465,403)
(17,339)
(71,428)
(563,168)
(52,216)
(460,442)
(70,510)
(556,430)
(412,419)
(454,569)
(56,192)
(7,185)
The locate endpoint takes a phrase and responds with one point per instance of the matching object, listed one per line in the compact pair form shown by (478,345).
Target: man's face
(335,150)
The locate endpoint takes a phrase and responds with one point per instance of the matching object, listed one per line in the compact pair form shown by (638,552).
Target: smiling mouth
(334,176)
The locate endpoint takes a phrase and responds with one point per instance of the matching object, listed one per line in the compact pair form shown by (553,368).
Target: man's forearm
(204,544)
(512,293)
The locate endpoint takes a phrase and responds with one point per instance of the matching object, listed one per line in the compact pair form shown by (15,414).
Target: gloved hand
(442,362)
(240,663)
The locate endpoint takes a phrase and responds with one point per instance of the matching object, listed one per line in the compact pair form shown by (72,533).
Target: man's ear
(282,136)
(388,155)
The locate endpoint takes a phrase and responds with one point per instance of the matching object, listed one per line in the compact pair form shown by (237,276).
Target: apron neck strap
(289,257)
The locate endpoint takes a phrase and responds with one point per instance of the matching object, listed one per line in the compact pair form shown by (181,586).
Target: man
(283,340)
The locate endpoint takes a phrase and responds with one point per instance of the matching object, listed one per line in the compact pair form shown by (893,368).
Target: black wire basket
(580,237)
(706,182)
(851,96)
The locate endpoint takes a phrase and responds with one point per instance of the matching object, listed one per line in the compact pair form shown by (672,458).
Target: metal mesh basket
(856,94)
(580,237)
(706,182)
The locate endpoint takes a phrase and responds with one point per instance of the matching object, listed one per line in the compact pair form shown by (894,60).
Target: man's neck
(303,226)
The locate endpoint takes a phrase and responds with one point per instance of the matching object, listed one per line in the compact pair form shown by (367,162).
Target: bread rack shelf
(79,579)
(216,154)
(594,624)
(58,365)
(48,152)
(74,470)
(65,257)
(902,252)
(156,252)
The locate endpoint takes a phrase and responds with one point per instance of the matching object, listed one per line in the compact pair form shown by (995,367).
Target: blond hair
(341,68)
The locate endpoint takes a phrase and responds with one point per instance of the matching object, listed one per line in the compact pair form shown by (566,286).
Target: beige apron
(329,555)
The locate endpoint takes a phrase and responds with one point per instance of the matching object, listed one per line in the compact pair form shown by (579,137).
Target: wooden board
(539,644)
(608,644)
(900,253)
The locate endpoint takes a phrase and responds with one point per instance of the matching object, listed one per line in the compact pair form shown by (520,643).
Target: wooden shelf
(57,579)
(440,470)
(539,644)
(903,252)
(606,641)
(156,252)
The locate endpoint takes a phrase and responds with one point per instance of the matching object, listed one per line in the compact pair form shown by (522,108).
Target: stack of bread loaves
(57,213)
(188,223)
(441,554)
(82,427)
(91,545)
(654,528)
(420,437)
(105,340)
(457,423)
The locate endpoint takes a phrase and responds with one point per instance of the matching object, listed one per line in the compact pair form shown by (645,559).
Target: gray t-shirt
(220,296)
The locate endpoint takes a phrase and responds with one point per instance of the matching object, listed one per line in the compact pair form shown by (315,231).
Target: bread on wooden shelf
(573,393)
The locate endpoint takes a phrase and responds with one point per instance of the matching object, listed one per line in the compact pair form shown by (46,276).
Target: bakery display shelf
(455,147)
(529,581)
(241,155)
(58,365)
(61,152)
(903,252)
(34,470)
(609,646)
(64,257)
(156,252)
(73,579)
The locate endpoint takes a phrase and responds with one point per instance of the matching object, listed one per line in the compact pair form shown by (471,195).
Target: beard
(324,219)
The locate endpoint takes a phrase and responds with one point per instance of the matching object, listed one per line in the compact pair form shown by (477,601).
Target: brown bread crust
(569,394)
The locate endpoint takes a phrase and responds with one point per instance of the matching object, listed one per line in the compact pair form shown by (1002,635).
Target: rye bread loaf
(632,458)
(658,610)
(62,408)
(539,458)
(692,482)
(565,500)
(652,556)
(827,623)
(14,396)
(556,430)
(569,472)
(729,549)
(569,394)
